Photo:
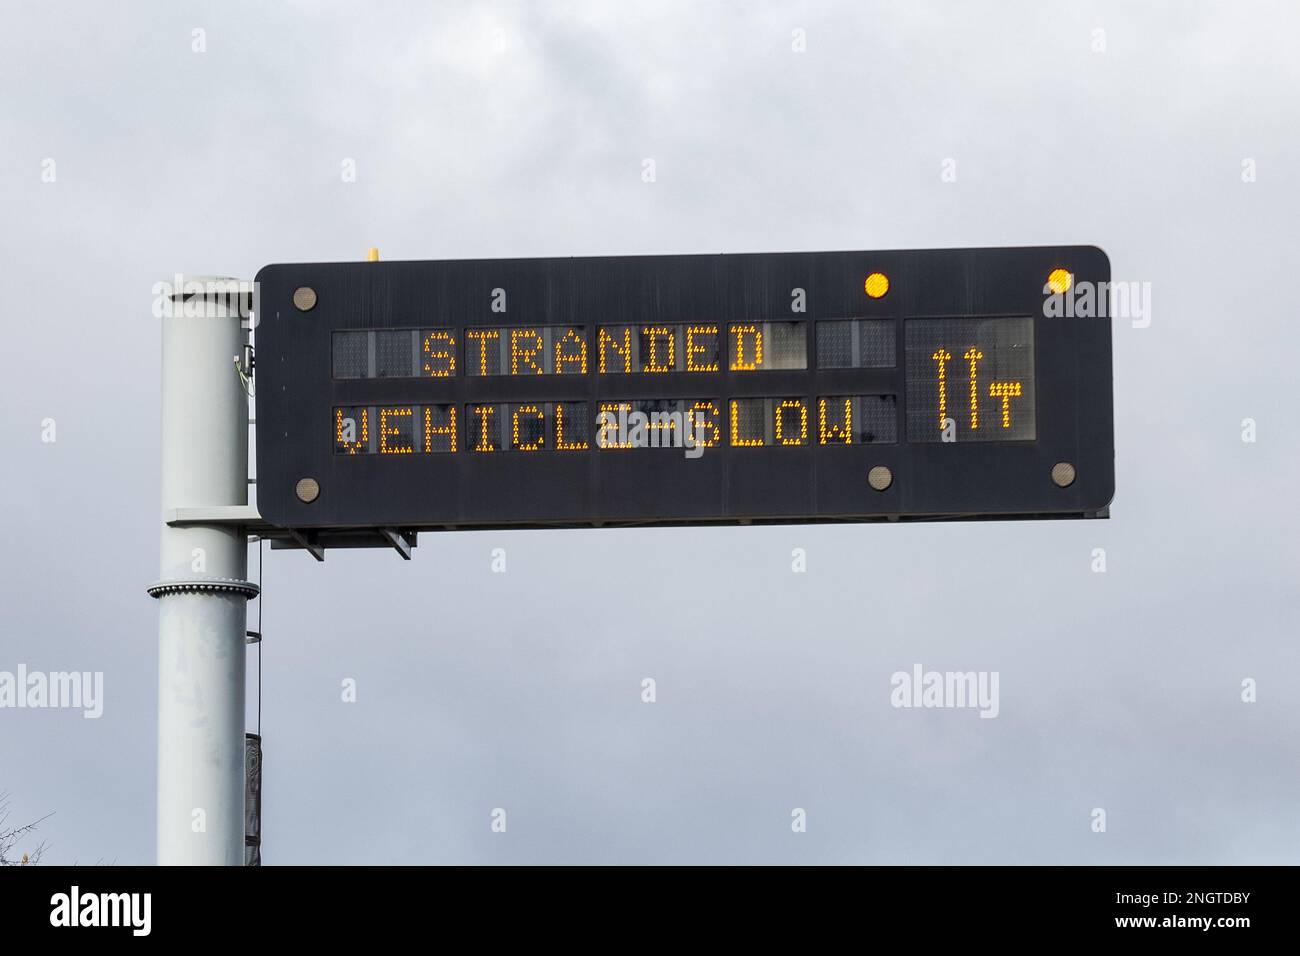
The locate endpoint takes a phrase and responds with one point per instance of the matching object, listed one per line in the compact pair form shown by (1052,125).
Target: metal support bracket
(316,550)
(314,542)
(400,542)
(244,516)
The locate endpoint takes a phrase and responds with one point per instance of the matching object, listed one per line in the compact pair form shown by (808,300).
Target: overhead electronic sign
(632,390)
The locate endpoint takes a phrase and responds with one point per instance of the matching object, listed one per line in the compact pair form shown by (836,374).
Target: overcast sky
(520,130)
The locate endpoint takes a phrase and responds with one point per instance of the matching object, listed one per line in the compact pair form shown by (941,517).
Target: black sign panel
(786,387)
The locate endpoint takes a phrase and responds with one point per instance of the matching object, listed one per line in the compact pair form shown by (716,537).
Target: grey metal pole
(202,591)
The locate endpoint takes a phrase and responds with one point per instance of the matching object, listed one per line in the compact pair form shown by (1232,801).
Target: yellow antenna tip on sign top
(372,255)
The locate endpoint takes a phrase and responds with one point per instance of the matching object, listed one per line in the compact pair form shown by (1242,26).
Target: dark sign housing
(785,387)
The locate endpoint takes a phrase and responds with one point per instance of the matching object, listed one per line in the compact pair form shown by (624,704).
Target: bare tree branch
(12,837)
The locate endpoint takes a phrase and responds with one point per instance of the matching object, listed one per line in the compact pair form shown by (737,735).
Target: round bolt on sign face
(880,478)
(304,298)
(1063,474)
(308,490)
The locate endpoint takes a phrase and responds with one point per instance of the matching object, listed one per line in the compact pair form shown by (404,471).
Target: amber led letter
(531,411)
(387,431)
(439,354)
(740,364)
(571,350)
(692,350)
(526,352)
(782,438)
(481,337)
(829,432)
(657,334)
(560,443)
(736,438)
(430,429)
(603,337)
(362,440)
(707,413)
(484,413)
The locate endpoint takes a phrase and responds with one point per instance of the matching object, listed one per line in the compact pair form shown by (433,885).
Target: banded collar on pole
(207,585)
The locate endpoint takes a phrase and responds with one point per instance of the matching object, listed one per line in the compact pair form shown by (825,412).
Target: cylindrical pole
(202,591)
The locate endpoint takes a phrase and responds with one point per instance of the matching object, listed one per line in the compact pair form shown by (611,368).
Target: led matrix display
(569,426)
(970,379)
(855,343)
(967,379)
(652,349)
